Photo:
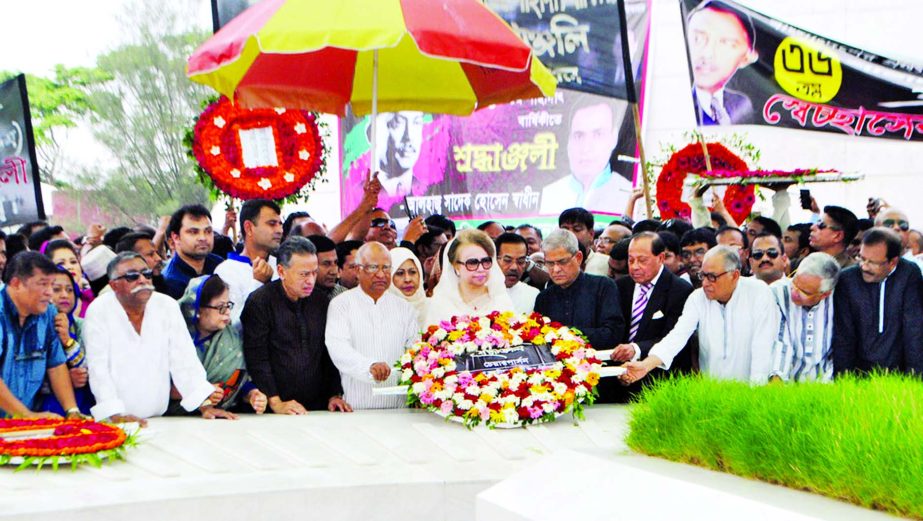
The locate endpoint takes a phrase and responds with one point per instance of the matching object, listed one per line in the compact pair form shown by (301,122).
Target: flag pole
(632,96)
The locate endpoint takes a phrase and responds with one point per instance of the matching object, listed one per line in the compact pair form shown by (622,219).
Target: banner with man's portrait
(20,187)
(748,68)
(528,158)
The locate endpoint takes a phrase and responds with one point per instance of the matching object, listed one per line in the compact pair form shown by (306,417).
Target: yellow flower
(568,398)
(455,335)
(539,340)
(486,398)
(536,389)
(592,378)
(496,416)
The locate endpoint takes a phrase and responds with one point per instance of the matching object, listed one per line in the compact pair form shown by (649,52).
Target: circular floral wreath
(81,441)
(216,145)
(738,199)
(503,398)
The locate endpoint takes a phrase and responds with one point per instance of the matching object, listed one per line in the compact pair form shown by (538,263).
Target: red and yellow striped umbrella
(440,56)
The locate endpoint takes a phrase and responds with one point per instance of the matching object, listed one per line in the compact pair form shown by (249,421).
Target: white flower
(235,173)
(547,407)
(580,390)
(517,340)
(440,334)
(300,128)
(289,177)
(406,358)
(473,390)
(438,372)
(418,388)
(279,110)
(303,154)
(452,379)
(465,405)
(407,374)
(484,322)
(219,122)
(216,150)
(560,388)
(265,184)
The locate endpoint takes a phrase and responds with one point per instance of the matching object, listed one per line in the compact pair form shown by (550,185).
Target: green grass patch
(859,439)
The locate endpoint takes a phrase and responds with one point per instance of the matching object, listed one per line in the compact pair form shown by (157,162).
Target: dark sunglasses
(772,253)
(472,264)
(822,225)
(132,276)
(381,223)
(891,223)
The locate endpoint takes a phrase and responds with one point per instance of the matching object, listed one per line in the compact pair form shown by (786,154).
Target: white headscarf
(447,300)
(398,257)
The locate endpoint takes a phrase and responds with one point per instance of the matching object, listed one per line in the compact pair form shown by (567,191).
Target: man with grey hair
(368,329)
(736,318)
(587,302)
(284,346)
(136,344)
(802,348)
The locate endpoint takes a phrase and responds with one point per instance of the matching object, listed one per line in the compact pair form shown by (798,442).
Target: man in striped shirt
(802,349)
(368,329)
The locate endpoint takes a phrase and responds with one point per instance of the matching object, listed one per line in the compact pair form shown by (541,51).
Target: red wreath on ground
(65,437)
(738,199)
(217,148)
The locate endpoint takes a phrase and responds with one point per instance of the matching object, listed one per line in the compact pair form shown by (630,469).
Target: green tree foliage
(57,103)
(142,112)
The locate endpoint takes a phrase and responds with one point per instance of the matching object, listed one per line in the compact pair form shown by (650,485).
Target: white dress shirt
(735,340)
(238,275)
(131,373)
(597,264)
(361,332)
(802,348)
(523,296)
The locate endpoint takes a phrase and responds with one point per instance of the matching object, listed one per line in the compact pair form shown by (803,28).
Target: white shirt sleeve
(676,339)
(185,368)
(781,201)
(98,344)
(348,360)
(765,331)
(700,214)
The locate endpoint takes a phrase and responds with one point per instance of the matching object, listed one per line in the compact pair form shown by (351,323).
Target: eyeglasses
(772,253)
(372,269)
(132,276)
(606,240)
(221,308)
(550,264)
(381,223)
(712,277)
(686,255)
(520,261)
(891,223)
(863,260)
(822,225)
(472,264)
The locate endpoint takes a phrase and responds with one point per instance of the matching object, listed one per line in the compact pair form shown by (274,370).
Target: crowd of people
(131,323)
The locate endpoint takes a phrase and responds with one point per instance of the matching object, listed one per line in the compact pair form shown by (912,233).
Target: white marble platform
(369,465)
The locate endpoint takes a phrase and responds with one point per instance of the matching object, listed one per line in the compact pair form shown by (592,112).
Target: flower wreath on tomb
(52,441)
(501,370)
(257,153)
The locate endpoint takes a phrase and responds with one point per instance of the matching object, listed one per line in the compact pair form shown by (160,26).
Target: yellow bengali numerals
(807,70)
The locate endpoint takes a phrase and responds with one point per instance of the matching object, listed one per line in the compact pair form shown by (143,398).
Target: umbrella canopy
(440,56)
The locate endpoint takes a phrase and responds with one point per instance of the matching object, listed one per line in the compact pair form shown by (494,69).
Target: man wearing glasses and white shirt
(737,320)
(137,343)
(368,329)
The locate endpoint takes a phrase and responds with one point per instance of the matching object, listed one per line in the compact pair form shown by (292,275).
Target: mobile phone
(806,199)
(410,214)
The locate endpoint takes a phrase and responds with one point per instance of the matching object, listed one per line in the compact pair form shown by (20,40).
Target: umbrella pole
(373,167)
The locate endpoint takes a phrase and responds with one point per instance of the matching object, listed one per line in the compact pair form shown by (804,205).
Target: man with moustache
(833,233)
(137,345)
(368,329)
(737,321)
(143,244)
(768,262)
(244,272)
(382,229)
(284,347)
(879,314)
(328,271)
(512,257)
(190,232)
(653,299)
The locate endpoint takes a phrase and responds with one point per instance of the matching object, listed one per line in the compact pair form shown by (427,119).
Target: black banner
(748,68)
(225,10)
(580,40)
(20,187)
(525,356)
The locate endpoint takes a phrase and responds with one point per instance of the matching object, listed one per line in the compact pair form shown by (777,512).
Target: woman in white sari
(471,282)
(407,280)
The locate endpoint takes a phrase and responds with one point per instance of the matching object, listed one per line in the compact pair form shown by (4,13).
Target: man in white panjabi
(137,343)
(368,329)
(737,321)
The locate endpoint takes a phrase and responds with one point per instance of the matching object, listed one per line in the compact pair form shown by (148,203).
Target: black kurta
(284,346)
